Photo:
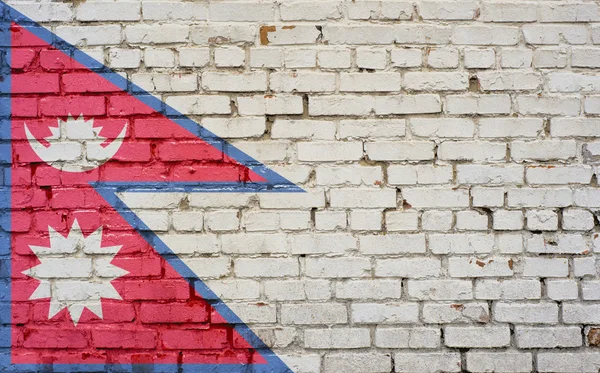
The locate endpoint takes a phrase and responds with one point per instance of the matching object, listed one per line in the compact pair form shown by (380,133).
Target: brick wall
(449,151)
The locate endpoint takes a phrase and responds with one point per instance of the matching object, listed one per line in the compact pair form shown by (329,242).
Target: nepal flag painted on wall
(86,285)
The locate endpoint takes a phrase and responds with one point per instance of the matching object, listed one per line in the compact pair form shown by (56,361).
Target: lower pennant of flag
(91,287)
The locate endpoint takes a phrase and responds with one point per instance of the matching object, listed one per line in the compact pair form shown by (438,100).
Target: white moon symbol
(75,145)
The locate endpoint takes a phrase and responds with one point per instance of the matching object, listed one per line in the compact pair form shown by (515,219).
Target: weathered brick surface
(449,150)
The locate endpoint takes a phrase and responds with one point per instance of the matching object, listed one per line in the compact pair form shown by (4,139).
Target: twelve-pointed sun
(75,273)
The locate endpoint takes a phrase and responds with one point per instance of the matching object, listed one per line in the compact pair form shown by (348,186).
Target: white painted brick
(476,151)
(418,337)
(322,244)
(509,81)
(194,57)
(583,313)
(456,313)
(485,35)
(508,289)
(159,57)
(384,313)
(299,58)
(510,243)
(408,267)
(310,11)
(564,106)
(550,58)
(240,11)
(436,10)
(437,220)
(270,105)
(359,35)
(436,197)
(266,57)
(479,337)
(372,128)
(487,197)
(546,267)
(231,82)
(402,220)
(371,58)
(442,127)
(516,58)
(156,34)
(484,104)
(295,290)
(337,338)
(399,151)
(407,57)
(509,12)
(308,200)
(540,197)
(584,267)
(125,58)
(553,34)
(542,220)
(473,243)
(471,221)
(306,363)
(562,289)
(353,175)
(91,35)
(210,33)
(313,314)
(374,82)
(172,10)
(329,151)
(254,243)
(476,174)
(265,267)
(338,267)
(479,58)
(558,244)
(357,362)
(229,57)
(568,362)
(427,362)
(334,58)
(443,58)
(303,82)
(548,337)
(303,129)
(436,81)
(422,34)
(577,220)
(499,362)
(368,289)
(392,244)
(526,313)
(237,127)
(108,11)
(440,289)
(474,267)
(366,220)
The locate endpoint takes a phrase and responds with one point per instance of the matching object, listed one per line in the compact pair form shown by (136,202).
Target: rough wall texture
(448,150)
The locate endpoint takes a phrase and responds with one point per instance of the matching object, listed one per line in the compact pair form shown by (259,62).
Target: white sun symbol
(75,272)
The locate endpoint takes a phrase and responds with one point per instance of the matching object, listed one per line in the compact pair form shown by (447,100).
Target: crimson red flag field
(87,286)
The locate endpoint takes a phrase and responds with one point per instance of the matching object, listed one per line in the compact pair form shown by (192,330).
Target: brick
(473,267)
(461,243)
(313,314)
(388,313)
(436,197)
(310,11)
(499,362)
(548,337)
(98,11)
(368,289)
(456,313)
(156,34)
(526,313)
(357,362)
(508,289)
(337,338)
(408,267)
(417,337)
(486,104)
(440,289)
(228,11)
(477,337)
(568,362)
(427,362)
(392,244)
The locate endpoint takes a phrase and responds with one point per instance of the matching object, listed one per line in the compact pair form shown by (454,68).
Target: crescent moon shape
(70,156)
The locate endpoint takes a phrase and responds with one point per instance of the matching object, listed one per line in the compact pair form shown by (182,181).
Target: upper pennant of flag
(86,279)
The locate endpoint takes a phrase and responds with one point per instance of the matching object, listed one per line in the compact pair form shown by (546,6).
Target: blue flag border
(109,191)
